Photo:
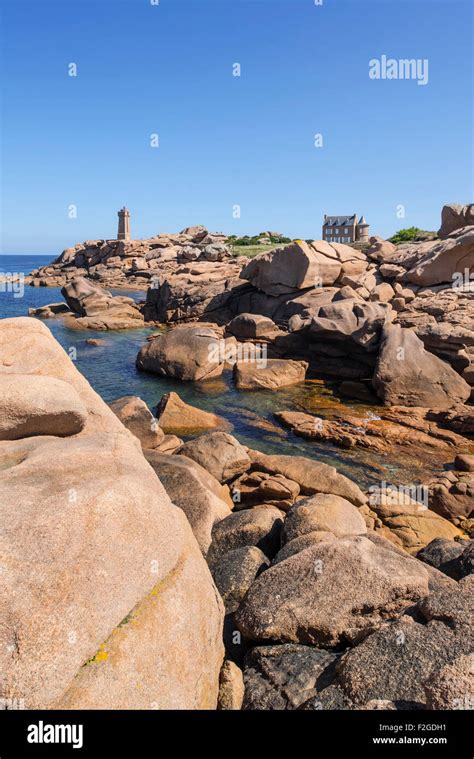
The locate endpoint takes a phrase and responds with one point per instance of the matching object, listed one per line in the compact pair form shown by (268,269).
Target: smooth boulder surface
(137,417)
(274,374)
(180,418)
(455,216)
(98,309)
(260,527)
(294,267)
(298,544)
(252,327)
(444,555)
(312,476)
(187,353)
(194,490)
(81,290)
(408,375)
(235,573)
(32,405)
(302,265)
(331,593)
(464,462)
(443,261)
(349,322)
(219,453)
(90,539)
(323,513)
(407,522)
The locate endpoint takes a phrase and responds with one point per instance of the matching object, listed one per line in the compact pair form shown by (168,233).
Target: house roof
(340,221)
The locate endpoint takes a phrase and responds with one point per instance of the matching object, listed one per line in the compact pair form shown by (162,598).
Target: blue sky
(226,140)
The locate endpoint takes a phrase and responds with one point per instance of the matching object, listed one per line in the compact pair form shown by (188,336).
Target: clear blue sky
(225,140)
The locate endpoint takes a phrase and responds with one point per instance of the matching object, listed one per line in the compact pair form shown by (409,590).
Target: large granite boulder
(219,453)
(194,490)
(451,495)
(452,687)
(455,216)
(275,373)
(330,593)
(260,527)
(96,562)
(380,250)
(190,291)
(301,265)
(323,513)
(444,261)
(453,557)
(186,353)
(397,661)
(293,267)
(284,677)
(96,308)
(339,339)
(260,487)
(312,476)
(408,375)
(305,540)
(350,321)
(253,327)
(137,417)
(39,406)
(235,572)
(443,318)
(408,523)
(83,296)
(180,418)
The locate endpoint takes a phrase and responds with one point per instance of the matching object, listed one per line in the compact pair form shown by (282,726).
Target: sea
(111,370)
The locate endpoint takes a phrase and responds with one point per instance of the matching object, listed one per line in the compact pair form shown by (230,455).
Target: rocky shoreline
(258,581)
(328,303)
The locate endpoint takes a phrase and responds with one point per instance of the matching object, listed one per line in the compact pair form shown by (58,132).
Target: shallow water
(112,373)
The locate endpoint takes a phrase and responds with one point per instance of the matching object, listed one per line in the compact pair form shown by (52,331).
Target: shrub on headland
(408,235)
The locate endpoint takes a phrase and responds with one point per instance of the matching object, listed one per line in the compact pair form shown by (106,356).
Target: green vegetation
(250,241)
(249,250)
(252,246)
(406,235)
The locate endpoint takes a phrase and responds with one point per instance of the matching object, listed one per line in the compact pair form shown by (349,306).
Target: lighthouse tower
(124,224)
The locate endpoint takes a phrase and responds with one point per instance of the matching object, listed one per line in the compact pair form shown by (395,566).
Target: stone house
(345,229)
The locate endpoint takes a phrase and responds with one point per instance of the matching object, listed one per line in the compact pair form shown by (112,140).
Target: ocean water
(111,371)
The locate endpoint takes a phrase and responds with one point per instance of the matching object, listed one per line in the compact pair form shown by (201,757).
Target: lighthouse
(124,224)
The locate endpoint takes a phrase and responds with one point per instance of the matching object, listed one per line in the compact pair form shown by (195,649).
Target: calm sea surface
(111,371)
